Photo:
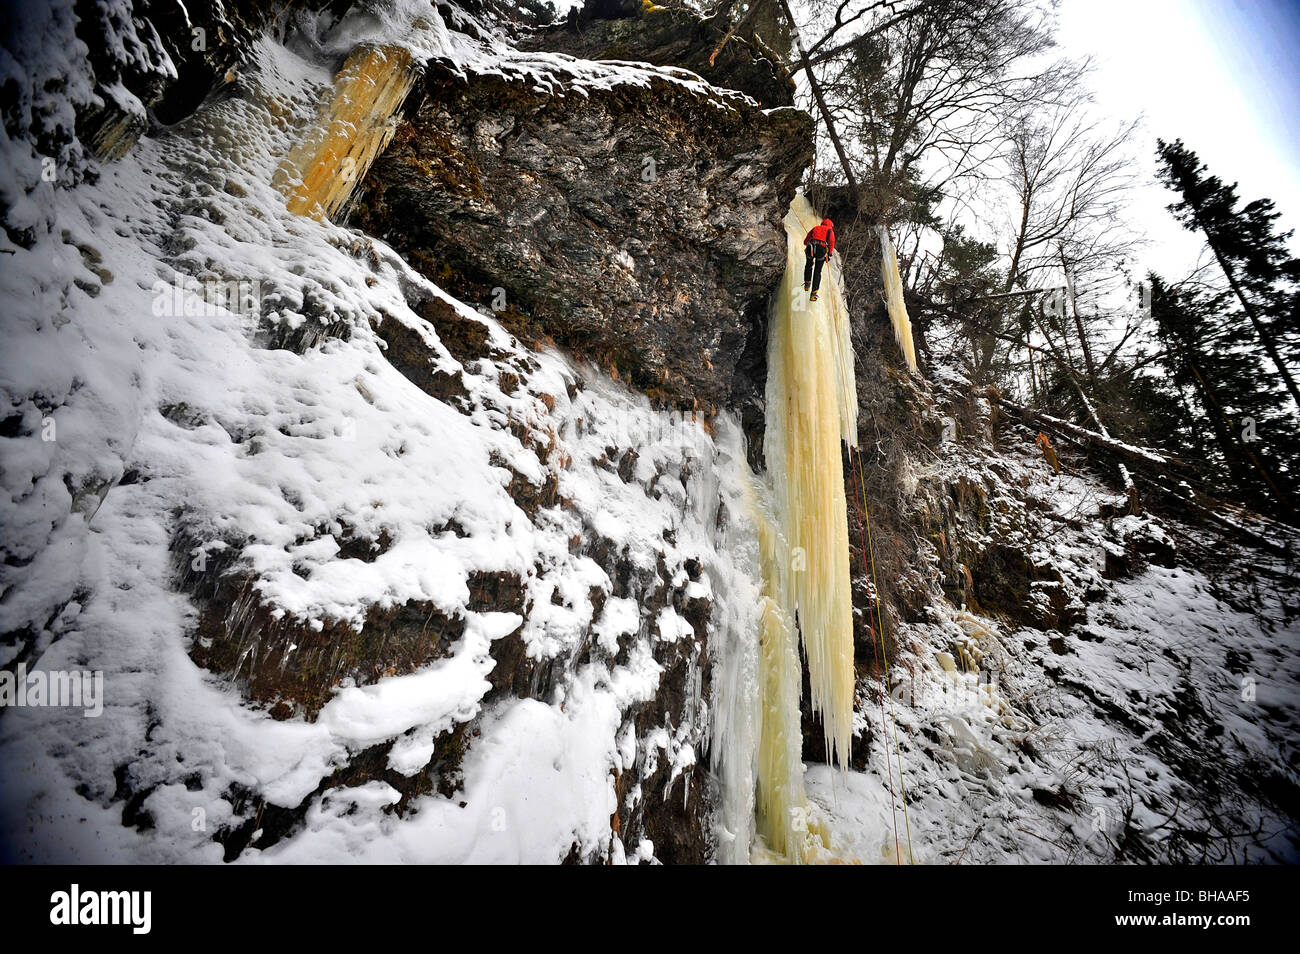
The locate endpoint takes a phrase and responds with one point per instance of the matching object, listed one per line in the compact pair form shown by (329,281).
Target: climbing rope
(884,730)
(880,633)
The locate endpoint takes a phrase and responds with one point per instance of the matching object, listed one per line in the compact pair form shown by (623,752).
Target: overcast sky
(1222,75)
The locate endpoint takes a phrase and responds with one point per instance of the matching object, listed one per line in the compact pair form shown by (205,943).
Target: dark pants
(814,257)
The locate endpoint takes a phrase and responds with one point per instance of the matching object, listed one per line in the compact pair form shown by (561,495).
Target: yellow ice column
(812,406)
(894,298)
(781,804)
(319,173)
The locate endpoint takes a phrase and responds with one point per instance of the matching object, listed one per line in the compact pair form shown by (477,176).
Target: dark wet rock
(670,36)
(167,57)
(293,667)
(259,824)
(1008,582)
(637,226)
(410,354)
(671,811)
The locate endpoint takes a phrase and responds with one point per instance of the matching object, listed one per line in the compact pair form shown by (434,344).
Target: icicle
(812,406)
(321,171)
(801,524)
(782,804)
(894,298)
(736,680)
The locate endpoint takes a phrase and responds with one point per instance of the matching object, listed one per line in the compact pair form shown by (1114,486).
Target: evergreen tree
(1210,356)
(1260,270)
(967,273)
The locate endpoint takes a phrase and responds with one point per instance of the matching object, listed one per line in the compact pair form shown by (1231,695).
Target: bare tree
(1069,175)
(922,92)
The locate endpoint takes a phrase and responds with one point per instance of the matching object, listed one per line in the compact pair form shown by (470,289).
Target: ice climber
(818,246)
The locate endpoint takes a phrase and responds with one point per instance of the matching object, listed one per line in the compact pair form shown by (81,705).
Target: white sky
(1223,75)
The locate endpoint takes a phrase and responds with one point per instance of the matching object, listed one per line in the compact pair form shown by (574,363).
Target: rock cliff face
(636,224)
(635,31)
(632,218)
(389,491)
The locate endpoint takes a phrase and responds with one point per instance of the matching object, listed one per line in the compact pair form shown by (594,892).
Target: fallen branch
(1227,523)
(1139,456)
(1156,471)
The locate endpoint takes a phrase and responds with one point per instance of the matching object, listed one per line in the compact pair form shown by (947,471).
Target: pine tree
(1209,356)
(1260,270)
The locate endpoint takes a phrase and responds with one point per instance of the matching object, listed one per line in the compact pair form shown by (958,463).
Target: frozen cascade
(811,408)
(801,523)
(894,303)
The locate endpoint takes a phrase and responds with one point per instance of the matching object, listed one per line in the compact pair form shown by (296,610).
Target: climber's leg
(819,261)
(807,267)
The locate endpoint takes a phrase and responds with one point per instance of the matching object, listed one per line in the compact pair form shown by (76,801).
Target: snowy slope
(256,443)
(1161,728)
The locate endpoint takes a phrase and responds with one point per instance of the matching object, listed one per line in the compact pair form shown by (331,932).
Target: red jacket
(822,233)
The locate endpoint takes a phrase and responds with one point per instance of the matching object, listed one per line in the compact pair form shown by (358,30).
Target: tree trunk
(1222,428)
(1088,363)
(821,102)
(1265,338)
(1033,375)
(1138,456)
